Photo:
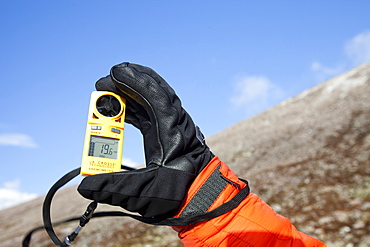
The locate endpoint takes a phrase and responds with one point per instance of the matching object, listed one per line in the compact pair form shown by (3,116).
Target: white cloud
(323,73)
(358,48)
(357,51)
(17,139)
(255,94)
(11,195)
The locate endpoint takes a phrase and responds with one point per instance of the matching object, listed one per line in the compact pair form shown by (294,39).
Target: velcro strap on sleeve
(206,195)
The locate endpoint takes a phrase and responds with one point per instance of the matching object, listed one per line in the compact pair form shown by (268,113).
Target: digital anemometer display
(103,143)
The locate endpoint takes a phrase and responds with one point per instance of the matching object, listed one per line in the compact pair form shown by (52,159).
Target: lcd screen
(103,147)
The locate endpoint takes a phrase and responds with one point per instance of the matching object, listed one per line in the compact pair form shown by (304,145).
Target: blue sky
(227,60)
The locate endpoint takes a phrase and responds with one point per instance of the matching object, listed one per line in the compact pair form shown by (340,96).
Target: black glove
(175,150)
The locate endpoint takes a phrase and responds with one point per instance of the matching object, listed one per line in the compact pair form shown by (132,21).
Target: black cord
(48,226)
(85,218)
(47,204)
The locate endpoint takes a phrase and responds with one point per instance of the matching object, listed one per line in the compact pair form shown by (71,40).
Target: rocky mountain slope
(308,157)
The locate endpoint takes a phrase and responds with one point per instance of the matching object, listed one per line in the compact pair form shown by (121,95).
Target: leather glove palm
(175,151)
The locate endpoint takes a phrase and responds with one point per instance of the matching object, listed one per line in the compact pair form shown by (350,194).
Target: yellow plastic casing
(102,152)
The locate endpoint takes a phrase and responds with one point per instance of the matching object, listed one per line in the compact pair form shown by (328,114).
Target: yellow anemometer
(103,143)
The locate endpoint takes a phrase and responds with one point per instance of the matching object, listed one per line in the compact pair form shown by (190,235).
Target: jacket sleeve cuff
(214,186)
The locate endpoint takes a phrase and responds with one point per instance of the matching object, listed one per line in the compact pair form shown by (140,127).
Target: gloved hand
(175,150)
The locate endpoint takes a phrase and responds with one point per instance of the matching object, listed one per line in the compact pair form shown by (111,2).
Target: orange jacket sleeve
(252,223)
